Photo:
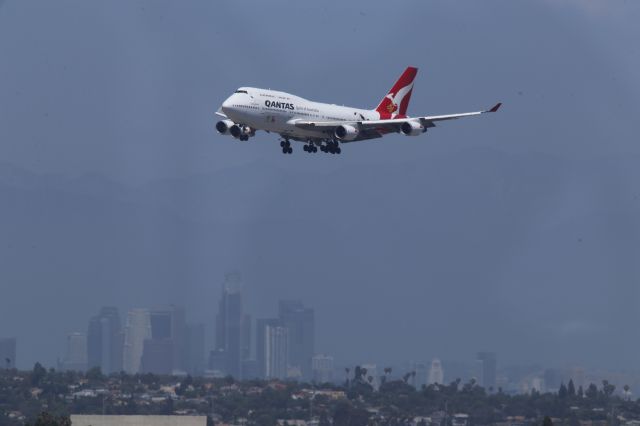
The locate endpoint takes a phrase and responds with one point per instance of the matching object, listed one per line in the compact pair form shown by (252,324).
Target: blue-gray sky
(517,232)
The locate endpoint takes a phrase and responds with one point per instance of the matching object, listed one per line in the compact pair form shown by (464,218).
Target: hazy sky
(517,232)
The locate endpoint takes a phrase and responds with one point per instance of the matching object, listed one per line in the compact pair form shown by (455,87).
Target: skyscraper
(105,341)
(300,322)
(137,330)
(194,355)
(165,351)
(276,352)
(157,356)
(436,373)
(229,326)
(246,337)
(76,357)
(261,343)
(486,363)
(8,352)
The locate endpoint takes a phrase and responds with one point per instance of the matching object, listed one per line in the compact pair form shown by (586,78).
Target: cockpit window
(241,91)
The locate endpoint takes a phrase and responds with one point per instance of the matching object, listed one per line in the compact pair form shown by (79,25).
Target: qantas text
(274,104)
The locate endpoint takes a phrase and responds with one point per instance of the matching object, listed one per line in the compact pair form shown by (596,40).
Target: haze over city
(518,234)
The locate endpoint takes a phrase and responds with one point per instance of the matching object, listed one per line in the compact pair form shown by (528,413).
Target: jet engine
(223,126)
(412,128)
(346,132)
(241,132)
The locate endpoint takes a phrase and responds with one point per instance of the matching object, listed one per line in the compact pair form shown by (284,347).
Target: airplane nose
(226,106)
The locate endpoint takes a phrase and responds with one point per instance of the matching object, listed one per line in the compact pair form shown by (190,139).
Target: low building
(91,420)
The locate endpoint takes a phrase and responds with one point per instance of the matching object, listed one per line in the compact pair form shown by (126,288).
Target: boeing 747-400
(320,125)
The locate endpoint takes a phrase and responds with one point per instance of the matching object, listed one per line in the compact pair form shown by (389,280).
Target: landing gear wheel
(338,150)
(305,148)
(282,144)
(289,150)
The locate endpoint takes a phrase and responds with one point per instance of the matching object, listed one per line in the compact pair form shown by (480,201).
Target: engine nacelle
(223,126)
(241,132)
(412,128)
(346,132)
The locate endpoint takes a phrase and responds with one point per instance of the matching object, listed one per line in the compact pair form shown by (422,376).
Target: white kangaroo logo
(399,97)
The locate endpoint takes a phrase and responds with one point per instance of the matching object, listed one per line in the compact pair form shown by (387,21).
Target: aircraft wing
(391,125)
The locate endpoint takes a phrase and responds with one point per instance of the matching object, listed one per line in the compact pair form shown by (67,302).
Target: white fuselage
(274,111)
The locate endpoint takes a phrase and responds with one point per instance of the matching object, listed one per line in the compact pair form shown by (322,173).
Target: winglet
(495,107)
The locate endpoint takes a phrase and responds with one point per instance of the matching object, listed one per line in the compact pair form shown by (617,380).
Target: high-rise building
(250,370)
(194,355)
(167,344)
(218,362)
(577,375)
(551,379)
(322,366)
(76,357)
(537,384)
(8,352)
(136,331)
(230,326)
(157,356)
(301,324)
(486,363)
(276,352)
(105,341)
(261,343)
(246,337)
(421,377)
(436,373)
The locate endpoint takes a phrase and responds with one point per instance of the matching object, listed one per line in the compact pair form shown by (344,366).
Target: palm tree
(627,392)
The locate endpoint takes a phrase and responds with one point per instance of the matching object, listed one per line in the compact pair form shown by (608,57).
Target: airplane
(324,126)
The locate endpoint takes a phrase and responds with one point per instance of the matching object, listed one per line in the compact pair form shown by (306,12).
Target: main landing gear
(331,147)
(286,147)
(310,147)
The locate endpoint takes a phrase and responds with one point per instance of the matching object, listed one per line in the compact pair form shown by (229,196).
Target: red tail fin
(397,100)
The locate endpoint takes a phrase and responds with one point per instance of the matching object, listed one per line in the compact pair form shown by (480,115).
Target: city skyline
(193,357)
